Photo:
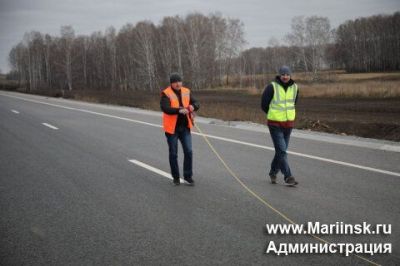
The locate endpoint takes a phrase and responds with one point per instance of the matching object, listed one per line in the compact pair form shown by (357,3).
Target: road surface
(87,184)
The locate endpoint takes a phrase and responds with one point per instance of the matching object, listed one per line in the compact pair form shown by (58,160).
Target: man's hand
(191,108)
(183,111)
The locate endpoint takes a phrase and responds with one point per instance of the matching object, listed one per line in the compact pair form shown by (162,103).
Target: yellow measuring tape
(254,194)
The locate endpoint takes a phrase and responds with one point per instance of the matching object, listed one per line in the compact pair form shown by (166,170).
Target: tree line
(361,45)
(207,50)
(369,44)
(139,56)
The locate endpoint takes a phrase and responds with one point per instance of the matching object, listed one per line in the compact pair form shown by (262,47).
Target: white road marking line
(345,163)
(221,138)
(50,126)
(153,169)
(85,111)
(14,111)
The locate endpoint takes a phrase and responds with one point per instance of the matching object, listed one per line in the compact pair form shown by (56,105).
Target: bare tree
(170,48)
(112,49)
(47,58)
(234,43)
(145,55)
(194,39)
(318,35)
(219,31)
(67,38)
(297,39)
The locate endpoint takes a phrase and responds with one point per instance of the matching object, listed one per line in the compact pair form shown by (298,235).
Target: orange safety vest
(169,121)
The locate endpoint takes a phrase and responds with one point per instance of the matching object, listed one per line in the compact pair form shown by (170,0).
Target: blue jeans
(184,136)
(280,137)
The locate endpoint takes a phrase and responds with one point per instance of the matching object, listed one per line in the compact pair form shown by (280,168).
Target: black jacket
(268,93)
(165,105)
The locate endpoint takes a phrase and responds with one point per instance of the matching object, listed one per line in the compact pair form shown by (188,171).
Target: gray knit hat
(285,70)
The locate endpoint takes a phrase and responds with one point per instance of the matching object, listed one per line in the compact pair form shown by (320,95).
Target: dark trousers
(183,135)
(280,137)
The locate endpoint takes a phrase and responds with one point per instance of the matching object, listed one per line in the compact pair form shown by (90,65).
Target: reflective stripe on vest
(282,106)
(169,121)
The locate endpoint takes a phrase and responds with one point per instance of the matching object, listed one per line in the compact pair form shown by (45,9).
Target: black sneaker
(290,181)
(189,181)
(273,179)
(177,181)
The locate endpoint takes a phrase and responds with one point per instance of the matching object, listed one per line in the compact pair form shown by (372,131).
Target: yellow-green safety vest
(282,106)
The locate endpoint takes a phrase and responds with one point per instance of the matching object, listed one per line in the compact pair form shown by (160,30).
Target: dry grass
(364,89)
(339,84)
(8,84)
(368,76)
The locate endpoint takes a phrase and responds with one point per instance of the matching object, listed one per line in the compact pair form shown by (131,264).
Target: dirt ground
(373,118)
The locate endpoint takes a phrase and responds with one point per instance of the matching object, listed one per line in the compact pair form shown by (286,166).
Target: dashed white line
(152,169)
(14,111)
(50,126)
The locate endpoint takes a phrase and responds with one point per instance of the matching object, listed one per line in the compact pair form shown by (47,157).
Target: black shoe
(177,181)
(290,181)
(273,179)
(189,181)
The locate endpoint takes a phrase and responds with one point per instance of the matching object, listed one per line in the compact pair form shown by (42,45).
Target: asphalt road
(69,194)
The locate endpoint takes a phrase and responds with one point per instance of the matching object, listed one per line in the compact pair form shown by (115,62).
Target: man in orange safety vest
(178,105)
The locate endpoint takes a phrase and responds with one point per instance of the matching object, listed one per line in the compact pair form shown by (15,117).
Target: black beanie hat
(175,77)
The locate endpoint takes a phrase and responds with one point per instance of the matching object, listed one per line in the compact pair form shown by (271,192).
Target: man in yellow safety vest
(279,103)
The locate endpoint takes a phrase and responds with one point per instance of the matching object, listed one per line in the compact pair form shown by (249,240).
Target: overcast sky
(263,19)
